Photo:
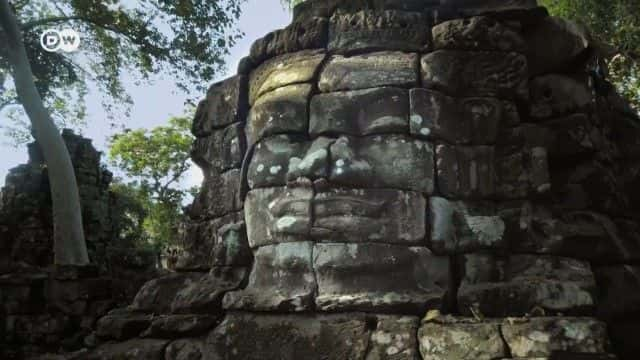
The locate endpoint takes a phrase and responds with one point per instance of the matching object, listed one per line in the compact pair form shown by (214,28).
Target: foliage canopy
(185,40)
(157,160)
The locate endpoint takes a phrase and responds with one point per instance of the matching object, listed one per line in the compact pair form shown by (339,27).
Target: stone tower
(416,179)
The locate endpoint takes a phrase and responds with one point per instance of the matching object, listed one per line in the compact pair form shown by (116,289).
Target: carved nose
(314,164)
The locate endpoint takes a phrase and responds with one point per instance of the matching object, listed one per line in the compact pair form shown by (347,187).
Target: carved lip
(335,205)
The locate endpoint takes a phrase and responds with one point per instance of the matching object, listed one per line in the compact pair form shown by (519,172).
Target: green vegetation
(616,23)
(157,161)
(185,40)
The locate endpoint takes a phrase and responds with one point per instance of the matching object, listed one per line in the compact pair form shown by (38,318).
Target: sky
(155,103)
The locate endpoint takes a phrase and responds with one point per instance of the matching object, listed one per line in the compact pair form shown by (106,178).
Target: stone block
(232,246)
(186,349)
(176,326)
(389,278)
(157,295)
(288,69)
(383,161)
(219,196)
(201,240)
(477,73)
(371,70)
(204,296)
(555,44)
(226,103)
(461,339)
(368,30)
(221,151)
(244,336)
(135,349)
(299,35)
(394,338)
(460,227)
(526,11)
(543,337)
(459,121)
(282,279)
(555,95)
(284,110)
(281,159)
(277,215)
(465,172)
(360,112)
(522,284)
(478,33)
(583,235)
(122,326)
(369,216)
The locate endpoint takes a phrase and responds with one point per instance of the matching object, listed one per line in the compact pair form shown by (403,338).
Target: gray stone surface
(369,70)
(542,337)
(478,73)
(368,215)
(285,218)
(383,161)
(221,151)
(281,159)
(122,326)
(175,326)
(282,279)
(288,69)
(389,278)
(200,239)
(225,104)
(244,336)
(186,349)
(460,121)
(522,284)
(204,296)
(460,227)
(478,33)
(220,196)
(465,172)
(157,295)
(299,35)
(372,30)
(284,110)
(554,95)
(135,349)
(360,112)
(394,338)
(460,339)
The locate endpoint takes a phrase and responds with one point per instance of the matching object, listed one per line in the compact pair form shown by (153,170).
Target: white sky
(154,104)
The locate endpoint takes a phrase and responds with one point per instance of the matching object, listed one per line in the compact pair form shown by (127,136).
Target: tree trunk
(69,243)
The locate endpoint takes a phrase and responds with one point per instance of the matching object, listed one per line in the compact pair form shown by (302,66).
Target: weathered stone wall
(391,179)
(46,308)
(25,206)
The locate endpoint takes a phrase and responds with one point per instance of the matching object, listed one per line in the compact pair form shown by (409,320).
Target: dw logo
(66,40)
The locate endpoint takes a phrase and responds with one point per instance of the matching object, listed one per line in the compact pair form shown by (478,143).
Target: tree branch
(54,19)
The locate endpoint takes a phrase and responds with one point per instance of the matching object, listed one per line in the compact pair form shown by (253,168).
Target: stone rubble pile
(378,161)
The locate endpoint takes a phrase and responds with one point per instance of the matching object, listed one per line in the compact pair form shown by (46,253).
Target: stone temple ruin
(416,179)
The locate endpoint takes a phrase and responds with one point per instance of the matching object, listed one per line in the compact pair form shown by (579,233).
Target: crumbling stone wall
(45,308)
(391,179)
(25,206)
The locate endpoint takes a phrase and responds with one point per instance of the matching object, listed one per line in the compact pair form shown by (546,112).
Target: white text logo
(66,40)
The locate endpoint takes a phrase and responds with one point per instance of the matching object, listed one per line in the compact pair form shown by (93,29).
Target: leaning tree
(186,39)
